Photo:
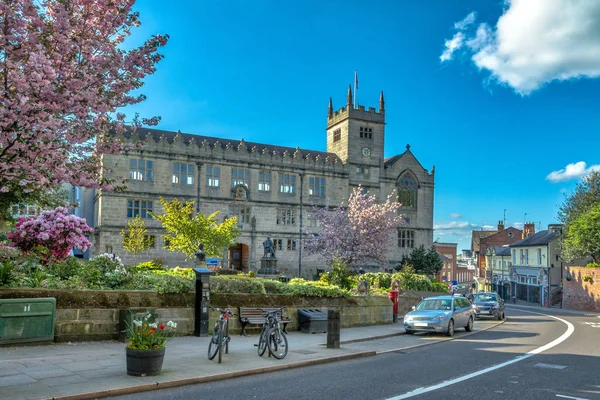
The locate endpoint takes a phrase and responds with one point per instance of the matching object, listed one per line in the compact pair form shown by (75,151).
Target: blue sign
(212,262)
(455,282)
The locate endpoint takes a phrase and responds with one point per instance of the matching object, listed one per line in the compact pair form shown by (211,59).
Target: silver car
(440,314)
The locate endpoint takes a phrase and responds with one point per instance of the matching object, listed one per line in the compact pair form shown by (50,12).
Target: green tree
(584,198)
(135,239)
(186,231)
(423,261)
(583,236)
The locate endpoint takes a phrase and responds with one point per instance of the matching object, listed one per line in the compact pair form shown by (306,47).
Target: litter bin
(312,321)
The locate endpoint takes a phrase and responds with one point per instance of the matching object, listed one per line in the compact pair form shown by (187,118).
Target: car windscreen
(435,304)
(484,297)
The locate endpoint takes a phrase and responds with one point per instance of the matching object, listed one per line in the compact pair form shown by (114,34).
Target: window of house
(264,181)
(167,242)
(362,170)
(240,177)
(140,170)
(287,183)
(316,186)
(291,244)
(514,256)
(286,216)
(241,213)
(150,240)
(312,220)
(366,133)
(539,256)
(526,256)
(278,243)
(407,191)
(406,238)
(183,173)
(337,135)
(522,257)
(108,249)
(138,207)
(212,176)
(25,211)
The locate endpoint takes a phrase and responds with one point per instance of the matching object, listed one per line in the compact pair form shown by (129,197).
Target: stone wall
(579,294)
(94,315)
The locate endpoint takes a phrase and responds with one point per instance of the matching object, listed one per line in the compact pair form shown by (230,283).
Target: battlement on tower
(359,112)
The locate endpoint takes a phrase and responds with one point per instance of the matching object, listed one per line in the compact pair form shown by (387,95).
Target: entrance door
(238,257)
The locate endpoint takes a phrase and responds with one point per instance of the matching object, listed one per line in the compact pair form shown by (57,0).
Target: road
(530,356)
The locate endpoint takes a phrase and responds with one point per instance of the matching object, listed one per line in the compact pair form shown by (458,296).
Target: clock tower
(356,135)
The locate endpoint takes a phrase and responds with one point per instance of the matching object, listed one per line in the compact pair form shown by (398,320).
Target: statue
(200,255)
(269,248)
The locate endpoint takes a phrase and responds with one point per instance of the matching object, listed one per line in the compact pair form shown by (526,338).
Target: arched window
(407,190)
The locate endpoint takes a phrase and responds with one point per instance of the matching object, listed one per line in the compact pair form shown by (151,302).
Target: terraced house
(272,190)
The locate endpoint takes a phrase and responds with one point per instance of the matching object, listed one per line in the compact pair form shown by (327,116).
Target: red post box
(394,298)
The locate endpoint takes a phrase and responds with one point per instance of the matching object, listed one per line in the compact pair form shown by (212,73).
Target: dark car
(488,304)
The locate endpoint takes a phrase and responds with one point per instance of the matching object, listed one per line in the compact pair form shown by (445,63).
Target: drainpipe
(300,244)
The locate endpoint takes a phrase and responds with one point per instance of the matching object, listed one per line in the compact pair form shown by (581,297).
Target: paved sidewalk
(97,369)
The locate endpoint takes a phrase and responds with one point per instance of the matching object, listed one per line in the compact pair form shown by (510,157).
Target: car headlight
(438,318)
(408,318)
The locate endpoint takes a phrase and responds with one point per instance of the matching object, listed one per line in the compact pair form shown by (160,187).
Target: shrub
(8,253)
(224,271)
(592,265)
(439,287)
(588,278)
(251,274)
(183,272)
(56,230)
(273,287)
(301,287)
(341,276)
(7,274)
(382,280)
(65,269)
(235,284)
(150,265)
(160,281)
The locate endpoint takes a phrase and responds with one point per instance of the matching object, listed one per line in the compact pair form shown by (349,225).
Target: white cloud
(572,171)
(455,215)
(534,42)
(452,45)
(465,22)
(489,228)
(454,225)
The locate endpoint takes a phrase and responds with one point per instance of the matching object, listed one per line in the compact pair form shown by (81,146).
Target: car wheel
(409,332)
(450,331)
(469,327)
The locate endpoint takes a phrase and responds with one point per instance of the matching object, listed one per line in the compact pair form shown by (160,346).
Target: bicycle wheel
(278,344)
(215,342)
(262,343)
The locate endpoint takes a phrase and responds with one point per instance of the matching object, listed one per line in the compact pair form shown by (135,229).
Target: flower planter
(144,362)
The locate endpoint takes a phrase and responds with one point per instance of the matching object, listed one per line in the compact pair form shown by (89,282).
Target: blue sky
(497,95)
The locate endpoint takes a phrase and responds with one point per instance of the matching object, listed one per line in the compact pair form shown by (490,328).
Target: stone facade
(271,189)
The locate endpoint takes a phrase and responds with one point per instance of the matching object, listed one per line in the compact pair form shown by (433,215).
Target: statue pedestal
(268,266)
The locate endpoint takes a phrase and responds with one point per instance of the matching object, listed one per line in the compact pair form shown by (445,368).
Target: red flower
(161,326)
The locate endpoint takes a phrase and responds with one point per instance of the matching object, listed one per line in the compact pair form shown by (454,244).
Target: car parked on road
(440,314)
(488,304)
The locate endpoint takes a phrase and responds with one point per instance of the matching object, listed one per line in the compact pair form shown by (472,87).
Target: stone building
(270,189)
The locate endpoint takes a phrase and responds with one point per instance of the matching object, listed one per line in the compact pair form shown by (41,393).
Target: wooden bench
(253,315)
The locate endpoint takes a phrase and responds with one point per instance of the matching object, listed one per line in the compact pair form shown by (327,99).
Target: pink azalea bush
(56,230)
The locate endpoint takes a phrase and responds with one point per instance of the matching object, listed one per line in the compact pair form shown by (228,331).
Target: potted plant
(145,349)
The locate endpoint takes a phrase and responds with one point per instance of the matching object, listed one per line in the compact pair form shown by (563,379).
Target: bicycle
(220,336)
(272,336)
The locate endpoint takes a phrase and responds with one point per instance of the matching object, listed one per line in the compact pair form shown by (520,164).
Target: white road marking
(592,324)
(547,346)
(554,366)
(570,397)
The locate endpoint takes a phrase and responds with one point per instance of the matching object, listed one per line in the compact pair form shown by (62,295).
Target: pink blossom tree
(357,233)
(64,74)
(56,230)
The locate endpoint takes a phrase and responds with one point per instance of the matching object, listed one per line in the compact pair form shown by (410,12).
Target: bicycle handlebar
(226,311)
(272,310)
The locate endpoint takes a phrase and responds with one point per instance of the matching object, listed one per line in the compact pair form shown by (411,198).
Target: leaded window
(407,191)
(264,181)
(138,207)
(140,170)
(406,238)
(240,177)
(213,176)
(287,183)
(183,173)
(316,186)
(286,216)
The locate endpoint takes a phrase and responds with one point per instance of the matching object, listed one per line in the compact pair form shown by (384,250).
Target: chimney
(528,229)
(500,226)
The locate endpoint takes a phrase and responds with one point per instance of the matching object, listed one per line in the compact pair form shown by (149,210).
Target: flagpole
(355,89)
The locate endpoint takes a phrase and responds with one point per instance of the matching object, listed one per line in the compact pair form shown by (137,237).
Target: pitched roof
(388,162)
(444,258)
(500,251)
(476,237)
(157,134)
(540,238)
